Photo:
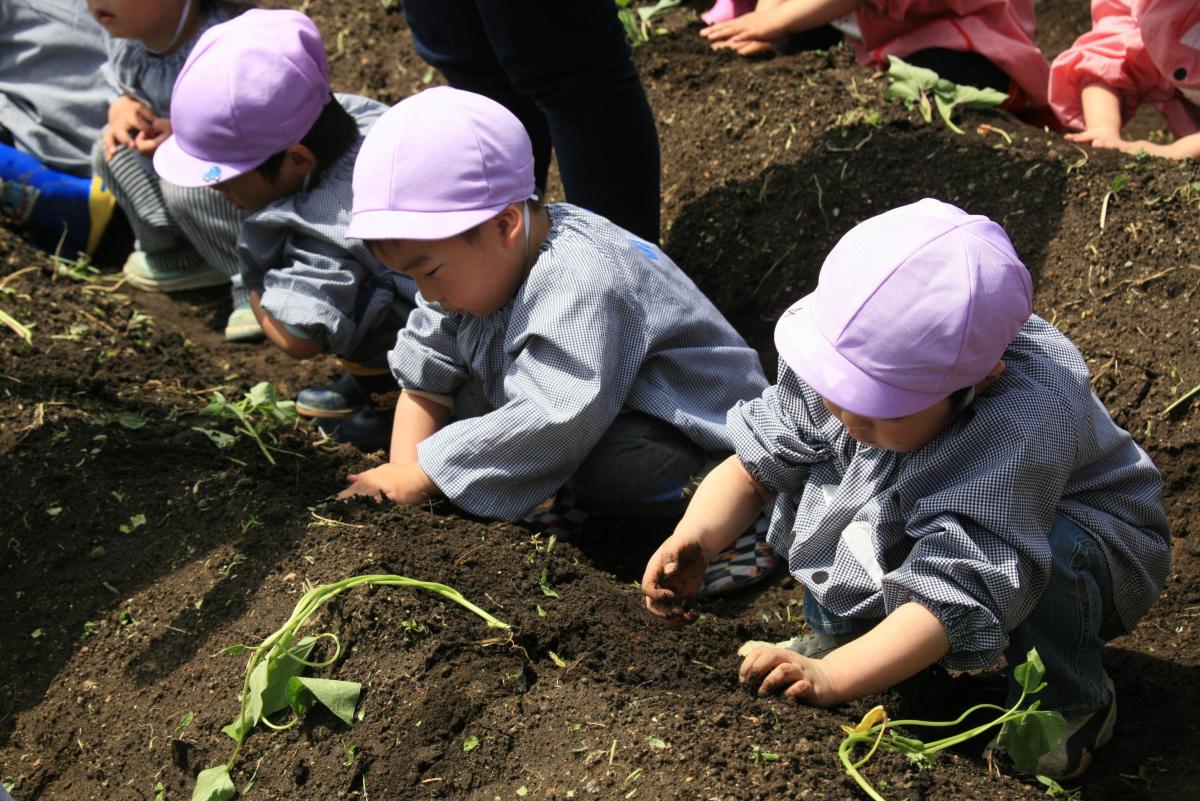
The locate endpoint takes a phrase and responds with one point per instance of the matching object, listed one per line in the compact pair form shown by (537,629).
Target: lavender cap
(438,163)
(910,306)
(251,87)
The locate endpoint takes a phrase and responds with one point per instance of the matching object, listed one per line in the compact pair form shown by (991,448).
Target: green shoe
(139,272)
(242,325)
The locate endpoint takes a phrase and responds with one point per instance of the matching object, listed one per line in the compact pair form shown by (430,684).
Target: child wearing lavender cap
(947,487)
(185,236)
(254,119)
(605,369)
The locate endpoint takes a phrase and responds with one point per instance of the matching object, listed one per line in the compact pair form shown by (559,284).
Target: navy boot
(370,428)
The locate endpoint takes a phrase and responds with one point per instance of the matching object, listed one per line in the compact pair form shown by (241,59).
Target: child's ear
(509,223)
(300,160)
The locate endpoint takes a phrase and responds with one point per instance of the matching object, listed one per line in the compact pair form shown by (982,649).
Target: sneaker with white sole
(242,325)
(814,646)
(141,272)
(1085,735)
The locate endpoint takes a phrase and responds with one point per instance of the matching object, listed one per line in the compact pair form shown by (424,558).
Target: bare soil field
(132,550)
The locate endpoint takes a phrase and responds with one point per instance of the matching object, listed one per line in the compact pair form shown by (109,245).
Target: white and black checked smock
(135,70)
(603,323)
(314,280)
(961,524)
(53,98)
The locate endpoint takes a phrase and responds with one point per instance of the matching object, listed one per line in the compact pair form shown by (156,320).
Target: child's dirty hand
(673,574)
(148,139)
(405,484)
(747,35)
(127,118)
(782,671)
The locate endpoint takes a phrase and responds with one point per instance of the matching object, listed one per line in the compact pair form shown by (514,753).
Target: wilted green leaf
(218,438)
(214,784)
(1030,736)
(339,697)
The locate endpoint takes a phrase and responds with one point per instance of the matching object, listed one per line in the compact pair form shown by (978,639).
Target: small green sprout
(1118,183)
(916,85)
(544,583)
(762,757)
(1025,734)
(185,720)
(471,743)
(351,755)
(25,332)
(257,414)
(637,21)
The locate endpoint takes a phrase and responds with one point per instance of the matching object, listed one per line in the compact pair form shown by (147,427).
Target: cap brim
(814,358)
(390,224)
(182,169)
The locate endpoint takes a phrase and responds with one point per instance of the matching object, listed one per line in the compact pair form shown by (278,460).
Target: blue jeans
(565,70)
(1072,621)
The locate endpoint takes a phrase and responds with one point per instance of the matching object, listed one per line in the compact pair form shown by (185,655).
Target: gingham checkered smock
(134,69)
(961,524)
(313,279)
(604,322)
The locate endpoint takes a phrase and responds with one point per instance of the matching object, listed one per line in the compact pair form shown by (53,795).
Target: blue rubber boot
(366,429)
(63,213)
(339,399)
(370,428)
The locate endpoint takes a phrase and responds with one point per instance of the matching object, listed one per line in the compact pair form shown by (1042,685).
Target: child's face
(253,190)
(150,21)
(899,434)
(466,275)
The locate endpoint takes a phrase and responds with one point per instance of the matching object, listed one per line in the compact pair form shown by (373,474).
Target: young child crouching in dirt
(254,119)
(1136,52)
(948,488)
(603,366)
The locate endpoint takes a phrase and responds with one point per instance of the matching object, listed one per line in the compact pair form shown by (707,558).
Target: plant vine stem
(281,639)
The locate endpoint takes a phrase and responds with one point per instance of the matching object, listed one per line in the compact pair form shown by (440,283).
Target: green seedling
(20,329)
(1118,183)
(762,757)
(135,522)
(637,20)
(351,755)
(185,720)
(1025,734)
(273,681)
(470,744)
(257,414)
(922,88)
(1182,399)
(544,583)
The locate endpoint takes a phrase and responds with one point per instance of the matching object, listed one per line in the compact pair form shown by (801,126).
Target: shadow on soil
(780,224)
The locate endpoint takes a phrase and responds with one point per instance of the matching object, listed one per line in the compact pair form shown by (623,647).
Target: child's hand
(747,35)
(674,573)
(148,140)
(780,670)
(405,484)
(127,118)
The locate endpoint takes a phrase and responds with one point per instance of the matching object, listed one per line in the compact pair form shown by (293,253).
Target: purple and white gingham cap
(910,306)
(251,87)
(438,163)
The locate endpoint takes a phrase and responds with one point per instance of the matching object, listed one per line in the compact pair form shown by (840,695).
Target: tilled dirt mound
(134,549)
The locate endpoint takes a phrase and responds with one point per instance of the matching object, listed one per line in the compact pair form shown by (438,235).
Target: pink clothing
(1000,30)
(1147,51)
(725,10)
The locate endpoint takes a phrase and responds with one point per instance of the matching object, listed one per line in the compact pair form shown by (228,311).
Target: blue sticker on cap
(212,174)
(647,250)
